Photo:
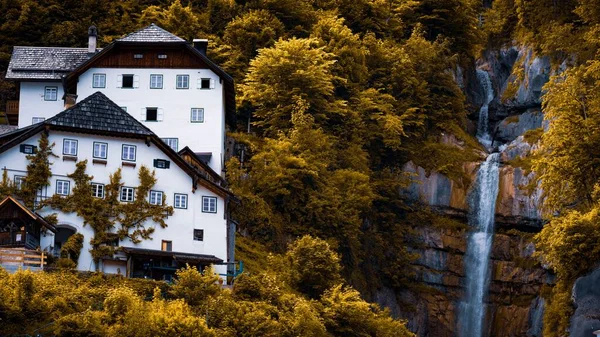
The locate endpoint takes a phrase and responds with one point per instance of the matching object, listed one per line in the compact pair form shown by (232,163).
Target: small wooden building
(20,227)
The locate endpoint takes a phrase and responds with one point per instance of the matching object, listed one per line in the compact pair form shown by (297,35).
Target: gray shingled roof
(99,113)
(7,128)
(44,62)
(152,33)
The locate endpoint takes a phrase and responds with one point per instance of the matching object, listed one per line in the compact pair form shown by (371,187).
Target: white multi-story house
(165,82)
(199,231)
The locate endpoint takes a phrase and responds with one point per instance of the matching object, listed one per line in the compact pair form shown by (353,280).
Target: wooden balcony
(12,112)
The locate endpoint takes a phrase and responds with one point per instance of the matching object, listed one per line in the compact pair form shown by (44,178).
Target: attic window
(27,149)
(138,56)
(162,164)
(162,56)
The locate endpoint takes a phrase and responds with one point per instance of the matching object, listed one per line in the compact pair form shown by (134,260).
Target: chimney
(201,45)
(70,100)
(92,36)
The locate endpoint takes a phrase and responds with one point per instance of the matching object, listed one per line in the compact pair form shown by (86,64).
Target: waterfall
(482,204)
(482,125)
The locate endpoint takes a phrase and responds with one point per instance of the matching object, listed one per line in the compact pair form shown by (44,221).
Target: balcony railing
(12,112)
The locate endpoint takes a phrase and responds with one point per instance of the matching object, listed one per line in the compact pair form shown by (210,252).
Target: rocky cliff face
(586,297)
(515,308)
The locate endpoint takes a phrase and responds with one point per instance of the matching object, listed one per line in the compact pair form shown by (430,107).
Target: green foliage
(38,172)
(314,267)
(105,215)
(195,287)
(72,248)
(66,303)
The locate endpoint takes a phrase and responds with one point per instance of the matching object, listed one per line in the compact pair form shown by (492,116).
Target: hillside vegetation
(299,294)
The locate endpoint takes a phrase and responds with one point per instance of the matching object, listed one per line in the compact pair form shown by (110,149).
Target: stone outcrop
(514,307)
(586,297)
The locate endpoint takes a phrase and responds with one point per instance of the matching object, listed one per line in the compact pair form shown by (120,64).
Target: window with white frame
(97,190)
(70,147)
(35,120)
(198,234)
(63,187)
(197,115)
(183,82)
(209,204)
(156,81)
(19,180)
(172,142)
(156,198)
(127,194)
(180,200)
(50,93)
(100,150)
(128,152)
(99,81)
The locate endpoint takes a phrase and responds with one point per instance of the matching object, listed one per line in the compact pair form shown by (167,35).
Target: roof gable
(98,113)
(151,33)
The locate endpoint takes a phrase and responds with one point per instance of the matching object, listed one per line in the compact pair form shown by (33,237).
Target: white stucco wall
(32,103)
(173,180)
(208,136)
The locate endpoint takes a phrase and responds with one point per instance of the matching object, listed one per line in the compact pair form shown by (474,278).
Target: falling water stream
(482,205)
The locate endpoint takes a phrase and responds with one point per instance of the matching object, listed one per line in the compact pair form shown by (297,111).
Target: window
(62,187)
(198,234)
(127,81)
(126,194)
(70,147)
(167,246)
(162,56)
(28,149)
(100,150)
(180,200)
(35,120)
(50,93)
(151,114)
(209,204)
(99,81)
(162,164)
(138,56)
(197,115)
(183,81)
(172,142)
(156,81)
(128,152)
(19,180)
(156,198)
(205,83)
(97,190)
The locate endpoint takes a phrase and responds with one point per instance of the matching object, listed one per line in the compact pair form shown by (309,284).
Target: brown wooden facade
(124,56)
(19,226)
